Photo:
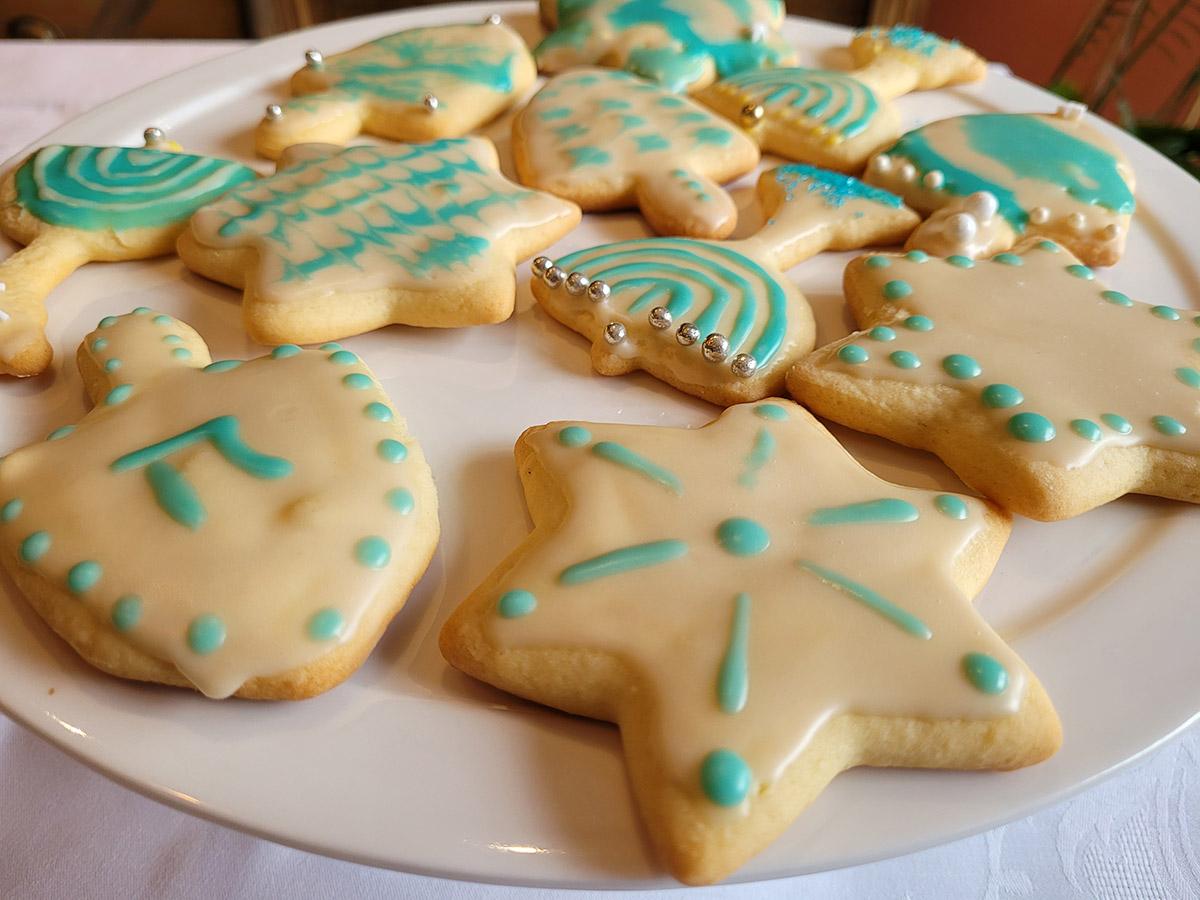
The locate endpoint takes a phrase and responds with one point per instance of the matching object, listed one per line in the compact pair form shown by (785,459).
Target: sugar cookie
(415,85)
(718,320)
(1038,386)
(345,240)
(243,528)
(607,140)
(74,205)
(732,598)
(681,44)
(904,58)
(990,179)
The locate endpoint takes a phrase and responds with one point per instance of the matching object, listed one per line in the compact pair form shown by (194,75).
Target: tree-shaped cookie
(989,179)
(838,119)
(682,44)
(734,599)
(607,140)
(1037,385)
(74,205)
(237,527)
(342,241)
(415,85)
(718,320)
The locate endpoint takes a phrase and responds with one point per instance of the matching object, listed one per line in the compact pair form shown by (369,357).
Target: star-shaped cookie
(1036,384)
(682,44)
(342,241)
(718,320)
(415,85)
(607,140)
(757,613)
(232,526)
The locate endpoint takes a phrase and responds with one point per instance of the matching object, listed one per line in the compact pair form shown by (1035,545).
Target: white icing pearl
(961,227)
(687,334)
(983,205)
(908,171)
(882,163)
(1110,232)
(757,32)
(431,102)
(1076,221)
(614,332)
(274,111)
(934,180)
(1072,111)
(744,365)
(1039,215)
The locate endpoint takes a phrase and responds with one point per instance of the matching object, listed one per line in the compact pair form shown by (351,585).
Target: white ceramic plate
(413,766)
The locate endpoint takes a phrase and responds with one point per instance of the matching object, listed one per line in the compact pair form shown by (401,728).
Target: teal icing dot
(126,612)
(917,256)
(1048,246)
(172,339)
(918,323)
(181,353)
(743,537)
(951,506)
(903,359)
(119,394)
(1031,427)
(1119,424)
(99,344)
(108,321)
(959,365)
(1188,376)
(142,311)
(325,624)
(882,333)
(401,500)
(985,672)
(1087,429)
(516,603)
(771,411)
(357,381)
(574,436)
(283,351)
(331,346)
(373,552)
(83,576)
(224,365)
(11,509)
(1081,272)
(206,634)
(1002,396)
(961,262)
(1165,312)
(853,354)
(59,433)
(1116,297)
(162,320)
(377,411)
(718,136)
(725,778)
(35,546)
(342,358)
(112,365)
(1008,259)
(1168,426)
(392,450)
(878,262)
(897,290)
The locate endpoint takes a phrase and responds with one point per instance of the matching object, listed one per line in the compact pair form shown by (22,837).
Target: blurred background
(1135,61)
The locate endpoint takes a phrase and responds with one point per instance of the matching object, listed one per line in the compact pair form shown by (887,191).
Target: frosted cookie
(415,85)
(681,44)
(1047,176)
(345,240)
(838,119)
(74,205)
(731,597)
(607,140)
(243,528)
(718,320)
(1037,385)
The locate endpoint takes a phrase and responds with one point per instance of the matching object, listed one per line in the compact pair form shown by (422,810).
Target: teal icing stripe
(634,462)
(733,680)
(899,617)
(175,495)
(760,455)
(222,433)
(888,509)
(617,562)
(838,96)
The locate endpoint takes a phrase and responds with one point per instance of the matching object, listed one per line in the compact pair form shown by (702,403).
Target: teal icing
(836,101)
(771,411)
(98,188)
(206,634)
(1119,424)
(1001,396)
(285,351)
(35,546)
(392,450)
(1032,428)
(357,381)
(881,333)
(1165,312)
(650,142)
(108,322)
(897,289)
(574,436)
(400,500)
(1086,429)
(898,616)
(832,187)
(161,319)
(760,455)
(878,262)
(950,506)
(911,38)
(126,612)
(11,509)
(342,358)
(905,359)
(713,135)
(99,344)
(119,394)
(743,537)
(330,346)
(1189,376)
(725,778)
(175,494)
(172,339)
(181,353)
(588,156)
(84,576)
(61,432)
(673,69)
(223,365)
(516,603)
(1168,426)
(1008,259)
(325,624)
(1081,272)
(917,256)
(622,560)
(961,262)
(223,433)
(622,456)
(378,411)
(1117,298)
(869,512)
(733,678)
(986,673)
(373,552)
(111,365)
(918,323)
(961,366)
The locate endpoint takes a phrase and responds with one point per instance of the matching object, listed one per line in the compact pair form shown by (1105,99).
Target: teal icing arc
(836,101)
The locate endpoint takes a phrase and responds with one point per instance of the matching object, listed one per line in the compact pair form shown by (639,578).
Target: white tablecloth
(67,832)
